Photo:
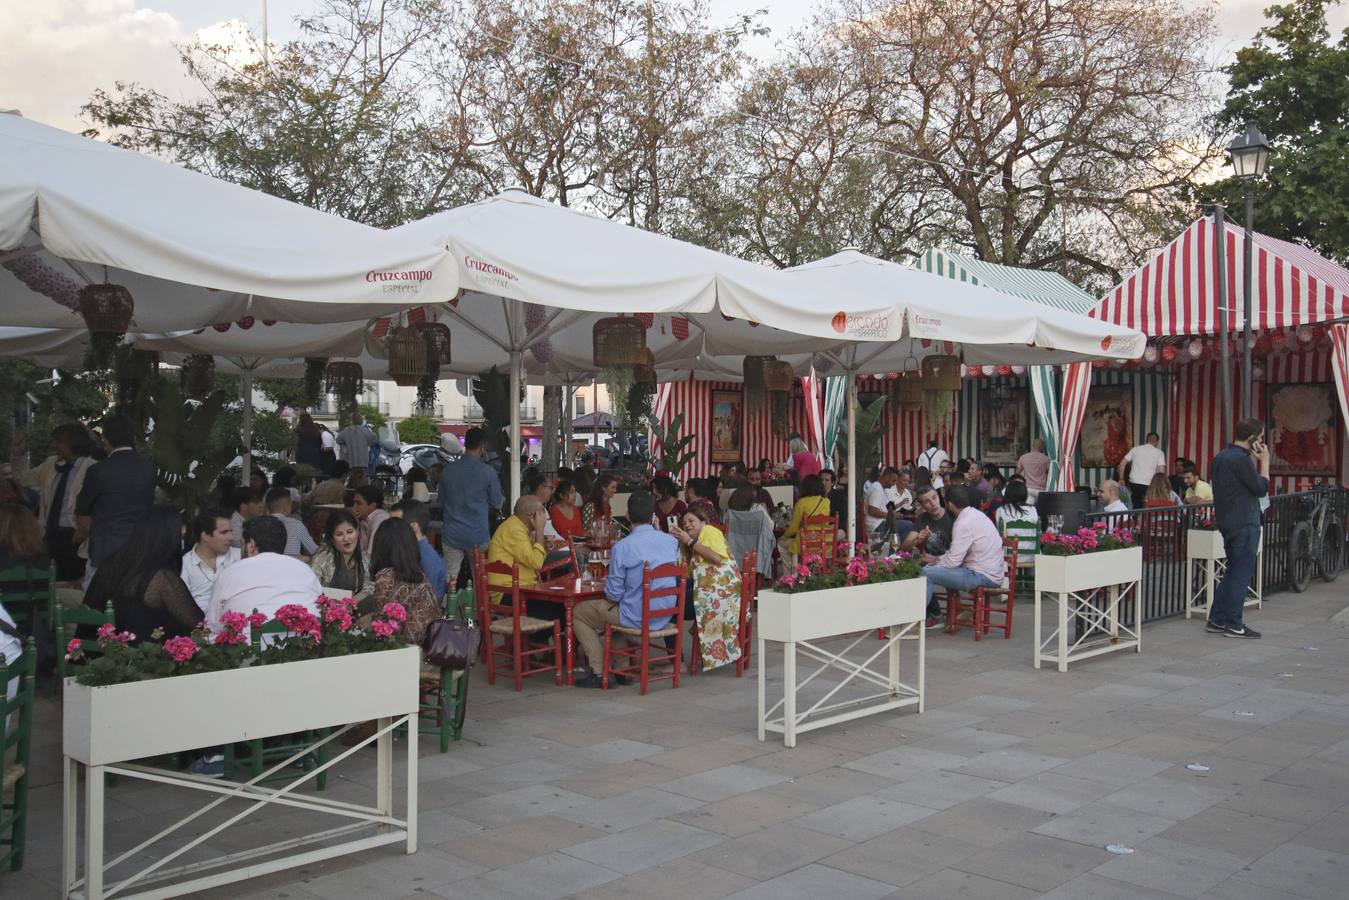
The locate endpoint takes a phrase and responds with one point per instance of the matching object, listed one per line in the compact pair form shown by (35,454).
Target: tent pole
(517,364)
(852,464)
(595,411)
(246,423)
(569,389)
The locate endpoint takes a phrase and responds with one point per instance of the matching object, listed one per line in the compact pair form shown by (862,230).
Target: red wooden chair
(987,602)
(638,658)
(560,566)
(507,619)
(819,537)
(749,595)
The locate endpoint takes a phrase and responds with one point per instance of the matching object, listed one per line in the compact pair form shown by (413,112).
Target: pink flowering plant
(812,575)
(1096,539)
(294,634)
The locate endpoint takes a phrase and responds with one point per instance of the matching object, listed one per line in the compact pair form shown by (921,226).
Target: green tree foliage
(1293,82)
(373,417)
(674,446)
(419,430)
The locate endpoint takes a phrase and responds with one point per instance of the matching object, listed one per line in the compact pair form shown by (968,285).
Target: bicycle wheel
(1300,557)
(1332,551)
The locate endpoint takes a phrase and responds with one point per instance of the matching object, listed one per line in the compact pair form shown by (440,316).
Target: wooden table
(569,592)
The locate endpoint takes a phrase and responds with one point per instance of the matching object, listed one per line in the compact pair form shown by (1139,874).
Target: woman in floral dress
(714,590)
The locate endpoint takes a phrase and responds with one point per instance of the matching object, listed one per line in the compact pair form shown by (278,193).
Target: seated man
(883,503)
(1109,495)
(281,506)
(331,490)
(974,559)
(367,505)
(265,579)
(519,539)
(1196,489)
(211,553)
(247,506)
(418,515)
(622,601)
(754,478)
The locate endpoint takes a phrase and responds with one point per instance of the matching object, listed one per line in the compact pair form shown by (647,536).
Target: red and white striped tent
(1175,293)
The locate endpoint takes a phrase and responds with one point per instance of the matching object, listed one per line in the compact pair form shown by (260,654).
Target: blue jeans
(1229,598)
(957,579)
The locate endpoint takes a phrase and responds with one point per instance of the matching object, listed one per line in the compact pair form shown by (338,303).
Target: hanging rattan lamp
(778,377)
(437,338)
(106,308)
(619,341)
(407,356)
(941,372)
(344,379)
(753,369)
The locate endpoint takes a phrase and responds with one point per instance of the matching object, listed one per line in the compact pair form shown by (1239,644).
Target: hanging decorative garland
(536,319)
(344,380)
(37,276)
(314,367)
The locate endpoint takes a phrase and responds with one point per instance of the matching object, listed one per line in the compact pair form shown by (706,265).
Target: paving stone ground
(1009,786)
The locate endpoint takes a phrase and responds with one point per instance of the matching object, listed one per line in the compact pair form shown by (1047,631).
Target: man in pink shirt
(1034,467)
(974,559)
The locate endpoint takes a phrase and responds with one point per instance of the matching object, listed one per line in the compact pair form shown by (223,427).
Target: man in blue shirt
(622,601)
(1237,489)
(469,487)
(418,515)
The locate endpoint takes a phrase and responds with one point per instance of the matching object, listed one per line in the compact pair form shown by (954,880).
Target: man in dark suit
(116,493)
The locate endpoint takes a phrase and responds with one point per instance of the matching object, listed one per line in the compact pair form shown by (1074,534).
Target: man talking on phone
(1237,489)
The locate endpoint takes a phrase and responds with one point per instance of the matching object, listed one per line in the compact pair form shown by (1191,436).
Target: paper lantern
(1277,339)
(1018,370)
(246,322)
(1150,355)
(1099,363)
(1258,372)
(964,370)
(1305,335)
(1003,370)
(988,371)
(106,308)
(1196,348)
(618,341)
(1264,344)
(1168,354)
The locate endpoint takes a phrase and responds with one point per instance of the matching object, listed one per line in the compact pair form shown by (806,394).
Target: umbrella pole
(565,453)
(246,423)
(595,412)
(517,363)
(852,464)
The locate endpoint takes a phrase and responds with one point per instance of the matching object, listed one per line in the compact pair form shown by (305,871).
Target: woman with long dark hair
(668,504)
(143,579)
(564,512)
(597,507)
(309,443)
(396,562)
(339,563)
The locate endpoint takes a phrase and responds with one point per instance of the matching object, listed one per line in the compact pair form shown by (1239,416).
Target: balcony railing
(330,406)
(473,412)
(434,410)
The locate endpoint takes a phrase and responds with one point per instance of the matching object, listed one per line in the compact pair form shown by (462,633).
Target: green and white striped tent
(1150,389)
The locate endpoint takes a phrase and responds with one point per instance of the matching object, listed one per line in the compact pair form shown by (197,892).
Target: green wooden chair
(1026,533)
(16,744)
(258,755)
(29,593)
(443,694)
(67,622)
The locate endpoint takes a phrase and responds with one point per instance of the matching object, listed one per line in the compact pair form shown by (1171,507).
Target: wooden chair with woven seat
(657,603)
(819,537)
(984,603)
(749,596)
(508,619)
(67,622)
(16,744)
(30,598)
(443,693)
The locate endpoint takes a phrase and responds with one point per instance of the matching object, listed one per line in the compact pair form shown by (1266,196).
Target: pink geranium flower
(107,632)
(395,612)
(181,648)
(384,628)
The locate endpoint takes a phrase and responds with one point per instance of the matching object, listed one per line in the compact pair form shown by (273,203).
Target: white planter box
(618,505)
(796,620)
(120,722)
(1070,574)
(1201,544)
(782,493)
(819,614)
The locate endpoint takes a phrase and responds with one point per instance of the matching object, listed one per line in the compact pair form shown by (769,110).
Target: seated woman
(339,562)
(713,596)
(416,488)
(1159,493)
(143,580)
(1018,518)
(748,528)
(668,504)
(20,538)
(812,503)
(597,506)
(398,578)
(702,496)
(564,512)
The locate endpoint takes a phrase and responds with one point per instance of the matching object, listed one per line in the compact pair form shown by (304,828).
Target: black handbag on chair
(452,643)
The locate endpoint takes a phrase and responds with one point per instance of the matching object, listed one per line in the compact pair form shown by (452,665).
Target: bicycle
(1316,543)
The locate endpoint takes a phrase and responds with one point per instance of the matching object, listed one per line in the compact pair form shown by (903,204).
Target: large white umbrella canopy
(192,250)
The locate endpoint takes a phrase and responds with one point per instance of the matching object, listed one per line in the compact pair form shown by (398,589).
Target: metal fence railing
(1161,534)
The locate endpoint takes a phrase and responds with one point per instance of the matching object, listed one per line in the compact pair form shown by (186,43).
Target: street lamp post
(1250,153)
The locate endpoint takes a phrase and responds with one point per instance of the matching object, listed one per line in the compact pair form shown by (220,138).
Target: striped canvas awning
(1049,288)
(1176,292)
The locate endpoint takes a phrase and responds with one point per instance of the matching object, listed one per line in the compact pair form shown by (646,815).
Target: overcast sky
(53,53)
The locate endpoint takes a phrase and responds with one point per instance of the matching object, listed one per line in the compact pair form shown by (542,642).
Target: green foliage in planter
(870,421)
(674,452)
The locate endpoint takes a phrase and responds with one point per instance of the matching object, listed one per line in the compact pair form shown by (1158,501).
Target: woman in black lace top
(144,582)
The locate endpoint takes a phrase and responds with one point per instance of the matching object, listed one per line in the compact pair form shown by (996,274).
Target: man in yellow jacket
(519,539)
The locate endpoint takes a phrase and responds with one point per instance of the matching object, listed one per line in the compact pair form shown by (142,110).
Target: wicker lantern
(437,338)
(106,308)
(619,341)
(645,374)
(909,391)
(778,377)
(753,369)
(407,356)
(941,373)
(344,380)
